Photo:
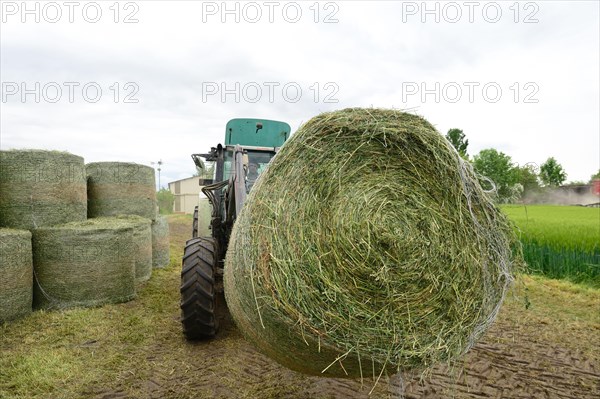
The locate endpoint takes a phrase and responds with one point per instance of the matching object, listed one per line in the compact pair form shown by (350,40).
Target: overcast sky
(519,77)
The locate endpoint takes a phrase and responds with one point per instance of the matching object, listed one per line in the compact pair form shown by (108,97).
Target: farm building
(578,194)
(187,194)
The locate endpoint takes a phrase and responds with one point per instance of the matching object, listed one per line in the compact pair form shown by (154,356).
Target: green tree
(499,168)
(552,173)
(595,176)
(528,178)
(456,137)
(165,199)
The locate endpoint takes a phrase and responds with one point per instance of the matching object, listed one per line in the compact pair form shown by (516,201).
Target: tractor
(250,144)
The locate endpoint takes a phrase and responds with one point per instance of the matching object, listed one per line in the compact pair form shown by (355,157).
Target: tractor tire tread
(198,289)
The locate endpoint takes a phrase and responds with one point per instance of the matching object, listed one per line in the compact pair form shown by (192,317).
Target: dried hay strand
(83,264)
(41,188)
(367,247)
(121,188)
(142,245)
(160,242)
(16,274)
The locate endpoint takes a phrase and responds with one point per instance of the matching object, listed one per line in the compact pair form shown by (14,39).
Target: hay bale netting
(87,264)
(160,242)
(142,245)
(16,274)
(41,188)
(120,188)
(367,246)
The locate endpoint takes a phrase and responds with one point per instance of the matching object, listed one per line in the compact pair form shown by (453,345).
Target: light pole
(159,163)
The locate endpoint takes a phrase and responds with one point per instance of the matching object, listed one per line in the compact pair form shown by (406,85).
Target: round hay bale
(120,188)
(160,242)
(16,274)
(86,264)
(142,245)
(367,246)
(41,188)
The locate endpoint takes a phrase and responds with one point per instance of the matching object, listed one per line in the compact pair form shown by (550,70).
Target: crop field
(560,241)
(543,345)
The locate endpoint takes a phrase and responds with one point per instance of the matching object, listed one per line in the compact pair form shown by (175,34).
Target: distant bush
(165,199)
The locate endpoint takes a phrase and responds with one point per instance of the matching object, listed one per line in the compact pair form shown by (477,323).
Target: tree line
(510,181)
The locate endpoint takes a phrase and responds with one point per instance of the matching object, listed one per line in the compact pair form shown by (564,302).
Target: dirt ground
(502,366)
(522,356)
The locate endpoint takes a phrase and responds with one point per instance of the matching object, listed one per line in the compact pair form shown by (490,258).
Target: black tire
(195,223)
(198,295)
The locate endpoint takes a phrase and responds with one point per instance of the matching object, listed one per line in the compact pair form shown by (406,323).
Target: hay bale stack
(120,188)
(142,245)
(16,274)
(160,242)
(380,252)
(87,264)
(41,188)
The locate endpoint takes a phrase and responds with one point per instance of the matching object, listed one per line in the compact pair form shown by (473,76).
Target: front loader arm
(236,193)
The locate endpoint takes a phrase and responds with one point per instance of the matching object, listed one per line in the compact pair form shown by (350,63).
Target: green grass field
(559,241)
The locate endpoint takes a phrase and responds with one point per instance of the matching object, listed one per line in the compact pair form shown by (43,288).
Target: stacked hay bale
(380,252)
(74,261)
(141,247)
(41,188)
(121,188)
(160,242)
(16,270)
(87,263)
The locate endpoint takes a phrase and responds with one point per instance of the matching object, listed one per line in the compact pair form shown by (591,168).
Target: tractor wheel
(195,223)
(198,295)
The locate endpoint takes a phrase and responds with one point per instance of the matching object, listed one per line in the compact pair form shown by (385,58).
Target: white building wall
(187,192)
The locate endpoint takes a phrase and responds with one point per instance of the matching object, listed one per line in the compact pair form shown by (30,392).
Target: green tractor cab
(250,144)
(256,132)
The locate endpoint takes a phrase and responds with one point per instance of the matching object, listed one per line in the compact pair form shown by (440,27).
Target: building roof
(187,178)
